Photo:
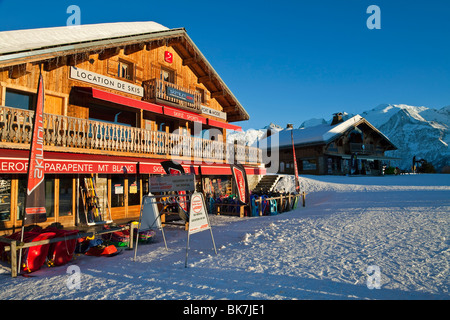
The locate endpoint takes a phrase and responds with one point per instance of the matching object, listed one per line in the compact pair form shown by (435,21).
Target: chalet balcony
(156,90)
(67,134)
(362,148)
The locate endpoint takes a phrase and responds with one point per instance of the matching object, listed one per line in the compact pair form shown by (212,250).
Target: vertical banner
(176,169)
(297,184)
(240,178)
(35,195)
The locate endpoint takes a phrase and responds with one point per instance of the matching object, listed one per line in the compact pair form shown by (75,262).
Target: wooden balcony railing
(157,90)
(362,148)
(62,132)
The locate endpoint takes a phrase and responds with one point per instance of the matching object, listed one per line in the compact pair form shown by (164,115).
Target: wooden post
(218,210)
(304,198)
(241,213)
(13,258)
(132,227)
(289,201)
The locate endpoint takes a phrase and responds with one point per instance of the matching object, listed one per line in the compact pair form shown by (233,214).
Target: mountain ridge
(417,131)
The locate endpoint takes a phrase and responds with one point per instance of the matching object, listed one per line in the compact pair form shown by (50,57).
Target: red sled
(33,257)
(61,252)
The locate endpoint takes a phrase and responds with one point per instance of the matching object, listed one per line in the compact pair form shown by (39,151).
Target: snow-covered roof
(32,39)
(323,133)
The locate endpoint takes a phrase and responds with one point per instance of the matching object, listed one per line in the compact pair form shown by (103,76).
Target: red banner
(240,178)
(35,196)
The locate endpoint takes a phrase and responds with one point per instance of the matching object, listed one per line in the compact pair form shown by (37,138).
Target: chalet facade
(352,146)
(120,98)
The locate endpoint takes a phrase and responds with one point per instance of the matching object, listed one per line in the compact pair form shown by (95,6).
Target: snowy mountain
(416,131)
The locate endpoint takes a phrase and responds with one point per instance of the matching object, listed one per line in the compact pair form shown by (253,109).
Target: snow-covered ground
(397,225)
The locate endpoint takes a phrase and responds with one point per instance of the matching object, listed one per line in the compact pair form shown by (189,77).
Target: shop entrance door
(125,196)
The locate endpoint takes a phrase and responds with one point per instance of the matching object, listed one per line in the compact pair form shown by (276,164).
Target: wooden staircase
(267,183)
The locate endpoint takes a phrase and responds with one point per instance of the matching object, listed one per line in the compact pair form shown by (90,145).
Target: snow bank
(399,224)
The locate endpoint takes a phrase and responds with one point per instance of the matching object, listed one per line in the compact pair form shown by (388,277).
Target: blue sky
(289,61)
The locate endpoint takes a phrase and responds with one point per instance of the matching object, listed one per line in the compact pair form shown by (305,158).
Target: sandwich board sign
(149,218)
(198,219)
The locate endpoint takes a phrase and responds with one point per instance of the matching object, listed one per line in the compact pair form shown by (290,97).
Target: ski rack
(91,203)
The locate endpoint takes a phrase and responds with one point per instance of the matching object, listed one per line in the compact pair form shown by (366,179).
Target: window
(65,197)
(309,164)
(202,94)
(111,115)
(117,194)
(167,75)
(49,182)
(19,99)
(125,70)
(133,191)
(5,198)
(50,196)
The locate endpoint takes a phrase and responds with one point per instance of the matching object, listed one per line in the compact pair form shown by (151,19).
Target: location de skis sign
(198,217)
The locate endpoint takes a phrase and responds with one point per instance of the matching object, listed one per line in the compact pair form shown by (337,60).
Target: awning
(16,162)
(154,167)
(156,108)
(76,164)
(224,125)
(118,99)
(185,115)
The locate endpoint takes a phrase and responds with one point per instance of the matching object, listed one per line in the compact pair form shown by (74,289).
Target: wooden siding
(147,62)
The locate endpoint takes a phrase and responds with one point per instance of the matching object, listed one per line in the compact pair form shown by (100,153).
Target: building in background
(352,146)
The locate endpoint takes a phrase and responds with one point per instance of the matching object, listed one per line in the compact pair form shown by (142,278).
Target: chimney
(337,118)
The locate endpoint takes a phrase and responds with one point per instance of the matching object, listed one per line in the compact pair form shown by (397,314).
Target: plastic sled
(61,252)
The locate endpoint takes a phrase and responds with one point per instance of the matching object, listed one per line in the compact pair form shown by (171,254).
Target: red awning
(16,161)
(154,167)
(64,166)
(118,99)
(147,106)
(182,114)
(215,123)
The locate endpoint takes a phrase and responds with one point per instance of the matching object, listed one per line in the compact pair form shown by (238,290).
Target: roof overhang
(363,157)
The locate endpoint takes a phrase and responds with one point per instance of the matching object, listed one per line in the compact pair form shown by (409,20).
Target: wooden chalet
(120,98)
(352,146)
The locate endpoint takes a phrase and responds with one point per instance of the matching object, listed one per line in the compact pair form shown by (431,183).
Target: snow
(399,224)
